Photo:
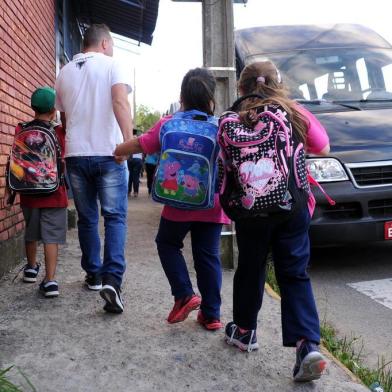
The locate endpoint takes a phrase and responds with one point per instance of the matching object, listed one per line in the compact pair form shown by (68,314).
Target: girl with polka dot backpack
(265,190)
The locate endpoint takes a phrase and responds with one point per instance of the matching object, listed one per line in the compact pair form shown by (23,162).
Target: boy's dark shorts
(48,225)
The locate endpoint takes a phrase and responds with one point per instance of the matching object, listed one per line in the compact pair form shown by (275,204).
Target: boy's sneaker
(30,273)
(245,341)
(210,324)
(111,294)
(93,282)
(310,362)
(182,307)
(49,289)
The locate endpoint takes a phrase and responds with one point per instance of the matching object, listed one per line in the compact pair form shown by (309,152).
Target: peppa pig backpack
(186,173)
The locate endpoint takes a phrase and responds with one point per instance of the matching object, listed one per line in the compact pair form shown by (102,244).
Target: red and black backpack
(35,166)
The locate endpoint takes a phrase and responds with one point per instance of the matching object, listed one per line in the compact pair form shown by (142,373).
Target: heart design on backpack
(248,201)
(257,174)
(257,166)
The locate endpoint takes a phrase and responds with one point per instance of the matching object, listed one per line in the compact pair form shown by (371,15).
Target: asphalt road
(353,289)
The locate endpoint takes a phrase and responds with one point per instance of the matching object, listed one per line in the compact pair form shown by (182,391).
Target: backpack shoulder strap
(12,195)
(54,124)
(236,104)
(24,124)
(38,123)
(196,115)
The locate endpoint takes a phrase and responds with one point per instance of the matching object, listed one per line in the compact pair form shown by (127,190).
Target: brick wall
(27,60)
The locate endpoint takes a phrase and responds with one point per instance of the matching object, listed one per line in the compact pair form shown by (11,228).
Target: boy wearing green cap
(45,216)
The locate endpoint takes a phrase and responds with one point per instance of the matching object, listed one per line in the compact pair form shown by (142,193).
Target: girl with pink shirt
(197,93)
(287,237)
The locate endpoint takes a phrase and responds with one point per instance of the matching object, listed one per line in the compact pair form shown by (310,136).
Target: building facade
(36,38)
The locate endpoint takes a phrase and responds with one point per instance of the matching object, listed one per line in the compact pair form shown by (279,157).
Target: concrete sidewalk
(71,344)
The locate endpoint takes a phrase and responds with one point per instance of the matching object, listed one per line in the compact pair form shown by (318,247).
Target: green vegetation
(8,386)
(145,118)
(345,349)
(180,195)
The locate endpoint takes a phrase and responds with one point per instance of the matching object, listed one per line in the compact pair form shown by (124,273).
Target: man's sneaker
(30,273)
(310,362)
(210,324)
(182,307)
(111,294)
(49,289)
(93,282)
(245,341)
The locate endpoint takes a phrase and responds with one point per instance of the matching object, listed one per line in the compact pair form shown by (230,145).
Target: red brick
(11,231)
(7,222)
(3,214)
(19,78)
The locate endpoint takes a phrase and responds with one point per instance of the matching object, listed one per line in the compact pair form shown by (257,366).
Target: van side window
(321,84)
(387,73)
(363,76)
(304,90)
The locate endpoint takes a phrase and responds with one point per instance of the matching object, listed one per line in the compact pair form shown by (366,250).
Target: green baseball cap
(43,99)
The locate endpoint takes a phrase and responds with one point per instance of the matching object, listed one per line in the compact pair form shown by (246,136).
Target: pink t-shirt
(317,140)
(150,144)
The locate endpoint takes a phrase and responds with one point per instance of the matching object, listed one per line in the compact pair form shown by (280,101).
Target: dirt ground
(71,344)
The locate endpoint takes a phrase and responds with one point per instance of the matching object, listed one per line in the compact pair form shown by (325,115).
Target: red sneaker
(210,324)
(182,307)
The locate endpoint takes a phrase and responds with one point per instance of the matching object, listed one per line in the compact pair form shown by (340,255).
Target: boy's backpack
(185,176)
(35,165)
(262,167)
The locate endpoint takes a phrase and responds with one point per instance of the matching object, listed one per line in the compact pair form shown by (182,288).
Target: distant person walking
(150,162)
(135,165)
(92,94)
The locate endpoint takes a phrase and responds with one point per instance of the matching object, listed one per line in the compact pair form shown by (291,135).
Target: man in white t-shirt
(92,96)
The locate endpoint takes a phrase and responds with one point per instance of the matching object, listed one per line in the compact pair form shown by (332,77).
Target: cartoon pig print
(191,185)
(170,184)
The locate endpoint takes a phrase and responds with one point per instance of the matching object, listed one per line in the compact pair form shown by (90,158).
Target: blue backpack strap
(196,115)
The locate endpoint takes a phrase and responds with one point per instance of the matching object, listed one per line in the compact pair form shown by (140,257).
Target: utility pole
(218,49)
(218,56)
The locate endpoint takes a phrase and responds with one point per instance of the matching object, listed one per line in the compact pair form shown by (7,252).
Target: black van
(343,74)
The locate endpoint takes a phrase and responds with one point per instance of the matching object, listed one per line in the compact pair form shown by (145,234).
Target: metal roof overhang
(135,19)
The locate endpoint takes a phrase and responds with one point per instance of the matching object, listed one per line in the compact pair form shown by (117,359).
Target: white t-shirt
(83,92)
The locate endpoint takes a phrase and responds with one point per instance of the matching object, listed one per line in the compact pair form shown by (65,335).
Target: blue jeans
(289,241)
(93,178)
(205,239)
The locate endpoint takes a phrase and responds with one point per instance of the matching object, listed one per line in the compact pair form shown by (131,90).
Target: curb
(272,293)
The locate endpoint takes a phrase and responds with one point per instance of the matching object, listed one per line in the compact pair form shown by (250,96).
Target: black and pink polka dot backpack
(261,164)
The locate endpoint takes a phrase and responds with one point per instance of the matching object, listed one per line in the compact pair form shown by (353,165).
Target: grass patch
(270,275)
(347,350)
(8,386)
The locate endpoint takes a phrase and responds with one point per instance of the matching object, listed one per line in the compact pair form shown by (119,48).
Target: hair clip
(278,76)
(260,79)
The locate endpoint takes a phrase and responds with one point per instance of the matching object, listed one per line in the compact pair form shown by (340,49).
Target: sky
(157,70)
